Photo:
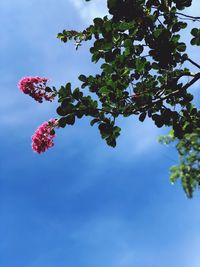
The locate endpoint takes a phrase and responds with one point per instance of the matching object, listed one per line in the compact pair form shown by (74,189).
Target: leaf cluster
(189,161)
(142,59)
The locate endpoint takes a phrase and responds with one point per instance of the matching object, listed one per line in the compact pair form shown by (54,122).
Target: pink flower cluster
(42,139)
(35,87)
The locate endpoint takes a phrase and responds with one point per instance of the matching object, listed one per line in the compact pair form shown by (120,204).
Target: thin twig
(188,19)
(194,63)
(188,74)
(196,78)
(161,23)
(188,16)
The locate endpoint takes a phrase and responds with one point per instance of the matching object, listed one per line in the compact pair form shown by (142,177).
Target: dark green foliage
(142,61)
(196,33)
(189,155)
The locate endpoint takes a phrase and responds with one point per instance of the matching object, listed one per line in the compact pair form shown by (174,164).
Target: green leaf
(52,132)
(116,131)
(105,129)
(96,57)
(157,32)
(111,141)
(64,92)
(123,26)
(181,47)
(104,90)
(77,94)
(175,38)
(196,40)
(94,121)
(80,113)
(140,65)
(128,43)
(65,109)
(183,25)
(142,116)
(70,119)
(48,89)
(98,21)
(82,78)
(68,88)
(194,31)
(62,122)
(155,66)
(107,68)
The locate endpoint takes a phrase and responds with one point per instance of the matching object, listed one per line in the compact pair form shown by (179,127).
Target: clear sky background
(81,204)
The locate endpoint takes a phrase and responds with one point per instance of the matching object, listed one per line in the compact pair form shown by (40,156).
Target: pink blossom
(42,139)
(35,87)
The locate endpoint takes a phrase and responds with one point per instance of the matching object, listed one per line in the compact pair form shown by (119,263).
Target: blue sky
(81,203)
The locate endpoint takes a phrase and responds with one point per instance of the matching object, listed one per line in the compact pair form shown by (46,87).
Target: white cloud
(89,11)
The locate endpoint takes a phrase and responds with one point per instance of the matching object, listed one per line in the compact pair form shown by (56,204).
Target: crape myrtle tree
(143,63)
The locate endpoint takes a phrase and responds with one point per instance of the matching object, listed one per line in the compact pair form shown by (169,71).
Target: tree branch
(194,63)
(192,74)
(196,78)
(138,109)
(188,16)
